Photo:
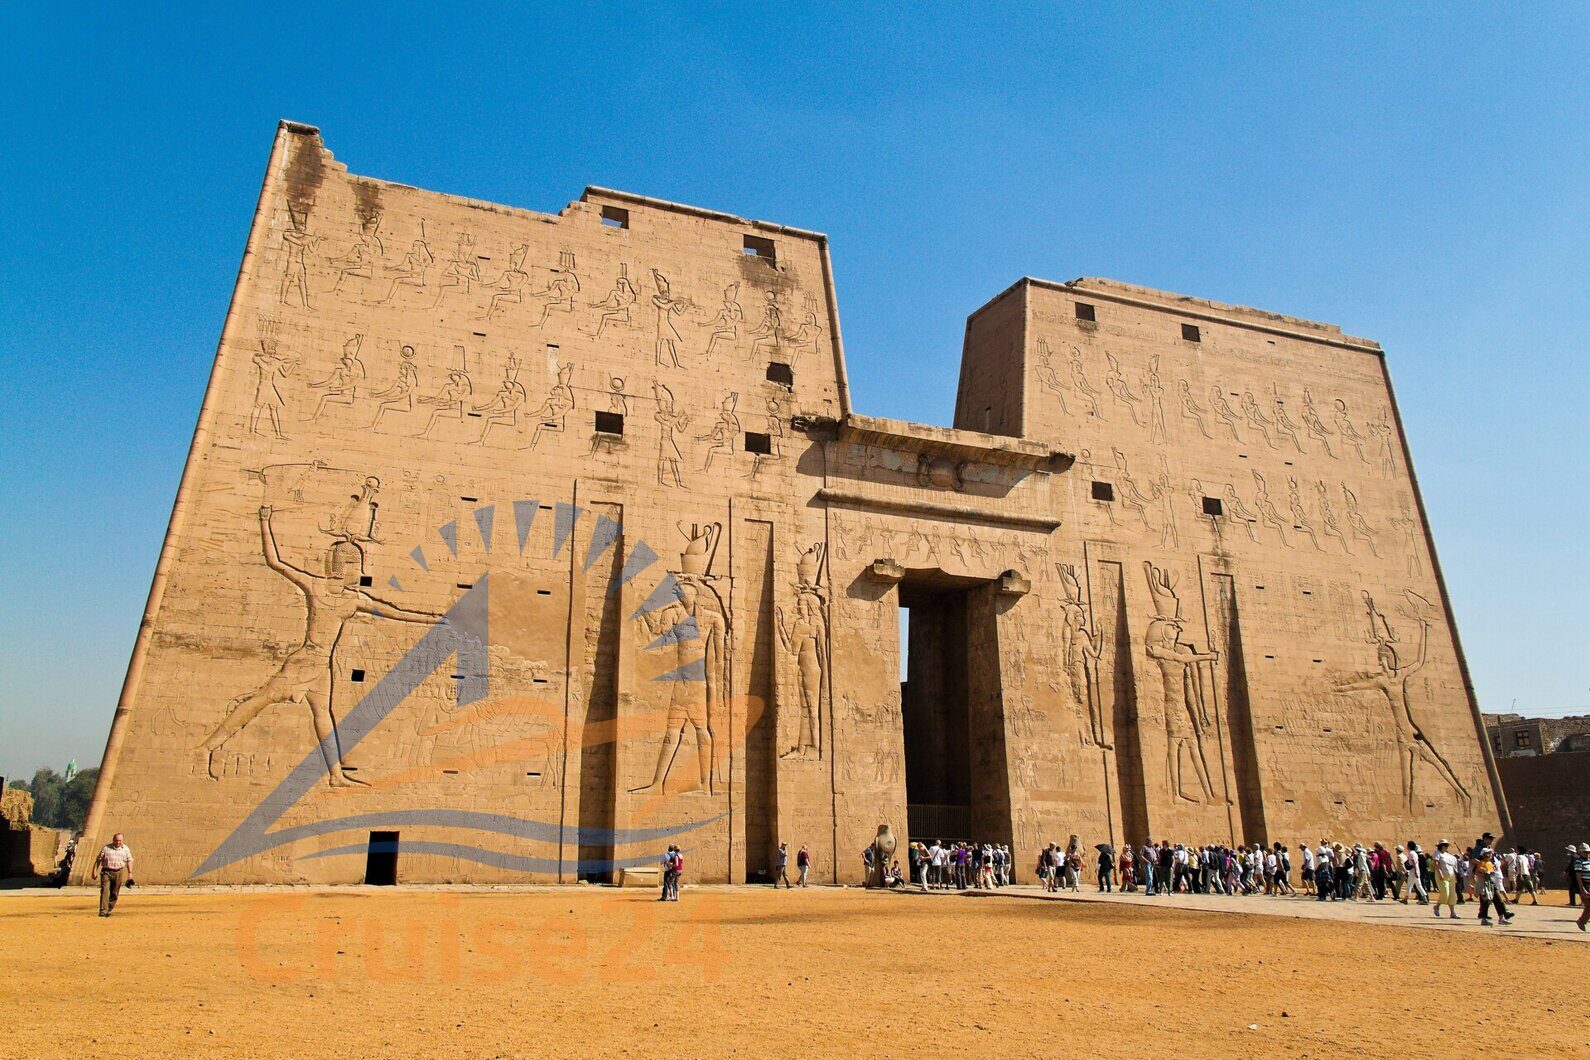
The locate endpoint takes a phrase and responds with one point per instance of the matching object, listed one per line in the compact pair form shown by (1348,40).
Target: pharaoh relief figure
(695,626)
(1390,681)
(1181,671)
(804,634)
(1081,648)
(332,598)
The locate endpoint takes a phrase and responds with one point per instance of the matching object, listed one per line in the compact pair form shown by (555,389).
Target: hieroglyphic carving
(616,306)
(1408,526)
(1256,418)
(695,624)
(563,284)
(668,307)
(552,415)
(509,288)
(767,335)
(804,634)
(1085,388)
(1359,525)
(448,403)
(617,403)
(1191,410)
(1131,496)
(775,435)
(1165,493)
(1349,434)
(364,255)
(503,408)
(1240,512)
(1047,377)
(1267,513)
(1120,389)
(804,338)
(1154,392)
(1300,519)
(725,327)
(331,599)
(724,433)
(341,385)
(670,421)
(1385,444)
(399,396)
(1314,425)
(1327,516)
(296,244)
(269,371)
(1284,427)
(1182,679)
(1081,647)
(1223,411)
(462,271)
(1391,681)
(414,270)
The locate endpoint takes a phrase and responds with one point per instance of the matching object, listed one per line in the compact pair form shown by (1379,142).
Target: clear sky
(1419,175)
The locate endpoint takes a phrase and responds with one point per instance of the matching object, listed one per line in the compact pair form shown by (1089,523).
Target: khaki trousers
(110,881)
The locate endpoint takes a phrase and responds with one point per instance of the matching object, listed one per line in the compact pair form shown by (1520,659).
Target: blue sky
(1414,175)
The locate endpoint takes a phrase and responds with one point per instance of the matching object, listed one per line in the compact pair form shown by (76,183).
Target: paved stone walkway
(1554,921)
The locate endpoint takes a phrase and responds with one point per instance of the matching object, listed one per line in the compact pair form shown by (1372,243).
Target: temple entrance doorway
(956,784)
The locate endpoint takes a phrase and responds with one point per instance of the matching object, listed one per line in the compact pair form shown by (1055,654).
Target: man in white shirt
(936,860)
(1444,866)
(111,869)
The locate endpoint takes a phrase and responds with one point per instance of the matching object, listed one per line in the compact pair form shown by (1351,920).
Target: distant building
(1515,736)
(1545,769)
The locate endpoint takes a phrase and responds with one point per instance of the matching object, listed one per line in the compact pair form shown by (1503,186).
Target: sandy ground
(734,971)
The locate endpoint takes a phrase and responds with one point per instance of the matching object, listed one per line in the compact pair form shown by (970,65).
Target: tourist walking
(673,868)
(803,862)
(112,869)
(1489,886)
(1415,881)
(1581,872)
(1444,866)
(781,868)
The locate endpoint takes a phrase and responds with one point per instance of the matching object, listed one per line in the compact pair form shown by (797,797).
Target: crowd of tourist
(1442,878)
(955,866)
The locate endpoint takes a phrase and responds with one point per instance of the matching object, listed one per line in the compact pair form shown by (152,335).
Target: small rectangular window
(1212,506)
(356,675)
(1191,333)
(756,442)
(615,217)
(758,247)
(470,500)
(610,422)
(364,581)
(1103,491)
(782,374)
(1086,312)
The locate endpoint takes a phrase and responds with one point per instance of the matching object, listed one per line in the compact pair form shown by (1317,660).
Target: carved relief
(1314,425)
(341,385)
(615,308)
(1349,434)
(1085,388)
(366,254)
(1300,520)
(1267,513)
(803,632)
(448,403)
(1081,646)
(563,285)
(296,244)
(1360,527)
(668,308)
(695,627)
(503,408)
(270,370)
(1191,410)
(552,415)
(414,271)
(1391,682)
(724,433)
(670,421)
(399,396)
(1121,390)
(1154,392)
(462,271)
(331,599)
(1187,681)
(725,327)
(509,288)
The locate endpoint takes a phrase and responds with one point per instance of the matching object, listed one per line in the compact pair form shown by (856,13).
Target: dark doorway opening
(957,784)
(380,860)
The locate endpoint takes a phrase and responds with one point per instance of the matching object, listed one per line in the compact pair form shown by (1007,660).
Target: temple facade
(515,546)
